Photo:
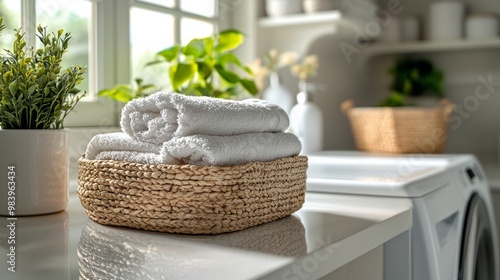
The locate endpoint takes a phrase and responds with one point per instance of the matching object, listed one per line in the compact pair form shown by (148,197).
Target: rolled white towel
(196,149)
(164,115)
(230,150)
(119,146)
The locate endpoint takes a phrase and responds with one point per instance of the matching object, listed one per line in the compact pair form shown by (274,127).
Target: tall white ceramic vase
(306,121)
(278,94)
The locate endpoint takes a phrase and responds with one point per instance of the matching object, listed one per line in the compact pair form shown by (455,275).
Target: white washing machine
(453,234)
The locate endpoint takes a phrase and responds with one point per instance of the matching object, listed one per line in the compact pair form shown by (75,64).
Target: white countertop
(327,233)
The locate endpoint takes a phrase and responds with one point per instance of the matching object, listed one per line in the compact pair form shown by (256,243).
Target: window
(71,15)
(113,38)
(144,45)
(76,17)
(10,10)
(158,24)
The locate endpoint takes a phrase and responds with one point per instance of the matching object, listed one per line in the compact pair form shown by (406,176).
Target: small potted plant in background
(412,81)
(203,67)
(36,94)
(398,126)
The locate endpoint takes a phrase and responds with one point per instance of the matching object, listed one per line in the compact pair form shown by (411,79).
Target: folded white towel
(164,115)
(230,150)
(195,149)
(119,146)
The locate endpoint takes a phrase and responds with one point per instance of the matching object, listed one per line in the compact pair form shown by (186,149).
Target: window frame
(109,63)
(93,111)
(177,13)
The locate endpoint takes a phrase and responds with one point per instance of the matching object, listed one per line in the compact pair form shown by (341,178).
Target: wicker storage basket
(191,199)
(399,130)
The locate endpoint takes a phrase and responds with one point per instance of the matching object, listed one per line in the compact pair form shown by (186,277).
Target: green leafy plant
(35,93)
(413,78)
(124,93)
(203,67)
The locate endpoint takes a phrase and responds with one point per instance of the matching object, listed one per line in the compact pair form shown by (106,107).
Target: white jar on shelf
(446,20)
(276,8)
(314,6)
(481,26)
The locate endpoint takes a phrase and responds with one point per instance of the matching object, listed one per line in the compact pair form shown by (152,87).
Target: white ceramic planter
(34,168)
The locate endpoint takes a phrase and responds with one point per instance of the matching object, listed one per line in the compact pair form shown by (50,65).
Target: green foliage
(413,78)
(203,67)
(124,93)
(35,92)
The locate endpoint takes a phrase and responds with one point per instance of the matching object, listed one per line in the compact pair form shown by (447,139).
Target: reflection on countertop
(41,247)
(107,252)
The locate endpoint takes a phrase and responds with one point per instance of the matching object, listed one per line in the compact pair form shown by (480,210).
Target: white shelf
(300,19)
(428,46)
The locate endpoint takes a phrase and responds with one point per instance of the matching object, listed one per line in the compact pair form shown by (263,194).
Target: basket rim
(82,159)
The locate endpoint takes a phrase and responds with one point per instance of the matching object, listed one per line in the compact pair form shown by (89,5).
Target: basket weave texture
(191,199)
(399,130)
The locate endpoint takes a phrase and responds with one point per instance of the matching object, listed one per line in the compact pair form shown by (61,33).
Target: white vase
(306,122)
(278,94)
(33,171)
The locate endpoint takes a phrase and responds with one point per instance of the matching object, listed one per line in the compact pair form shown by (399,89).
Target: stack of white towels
(172,128)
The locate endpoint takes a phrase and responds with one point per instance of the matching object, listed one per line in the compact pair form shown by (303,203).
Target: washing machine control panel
(471,175)
(474,173)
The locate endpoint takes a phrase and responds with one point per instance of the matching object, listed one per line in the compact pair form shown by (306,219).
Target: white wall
(367,81)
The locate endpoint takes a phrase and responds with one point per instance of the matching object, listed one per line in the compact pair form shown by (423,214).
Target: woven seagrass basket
(191,199)
(399,130)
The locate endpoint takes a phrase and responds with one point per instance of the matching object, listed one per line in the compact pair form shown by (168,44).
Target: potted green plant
(36,94)
(413,79)
(397,125)
(203,67)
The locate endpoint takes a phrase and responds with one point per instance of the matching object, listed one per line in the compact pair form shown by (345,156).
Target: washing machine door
(477,259)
